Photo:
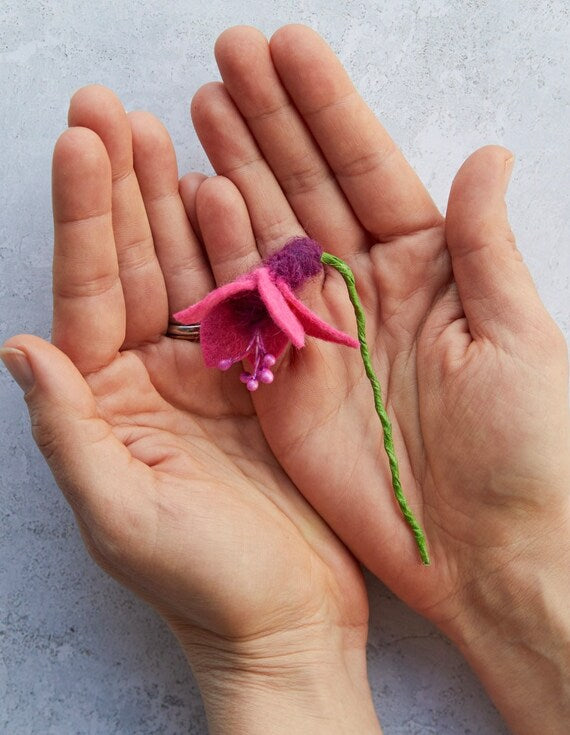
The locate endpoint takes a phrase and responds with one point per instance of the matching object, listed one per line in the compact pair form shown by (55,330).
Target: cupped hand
(175,489)
(473,369)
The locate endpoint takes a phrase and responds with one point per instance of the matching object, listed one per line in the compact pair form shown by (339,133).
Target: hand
(473,368)
(175,490)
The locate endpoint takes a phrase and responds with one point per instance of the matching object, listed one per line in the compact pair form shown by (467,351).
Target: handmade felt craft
(255,317)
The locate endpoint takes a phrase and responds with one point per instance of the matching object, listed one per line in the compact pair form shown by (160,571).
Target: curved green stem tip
(348,276)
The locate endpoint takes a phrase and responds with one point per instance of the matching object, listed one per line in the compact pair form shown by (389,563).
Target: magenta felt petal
(274,340)
(197,312)
(312,324)
(223,335)
(278,308)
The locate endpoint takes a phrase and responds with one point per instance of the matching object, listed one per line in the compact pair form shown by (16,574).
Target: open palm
(174,486)
(458,334)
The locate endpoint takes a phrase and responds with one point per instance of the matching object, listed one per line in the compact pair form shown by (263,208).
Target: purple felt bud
(297,261)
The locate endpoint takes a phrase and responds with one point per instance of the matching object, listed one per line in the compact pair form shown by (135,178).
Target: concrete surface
(79,654)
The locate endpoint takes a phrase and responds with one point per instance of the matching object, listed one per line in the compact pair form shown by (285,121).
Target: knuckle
(304,177)
(74,287)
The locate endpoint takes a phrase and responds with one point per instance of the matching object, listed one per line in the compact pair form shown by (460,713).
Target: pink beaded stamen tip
(262,362)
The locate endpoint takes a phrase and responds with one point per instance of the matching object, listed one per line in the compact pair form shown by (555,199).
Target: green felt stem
(348,276)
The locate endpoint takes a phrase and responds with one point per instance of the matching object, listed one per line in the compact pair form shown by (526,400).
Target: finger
(89,309)
(146,304)
(226,229)
(186,273)
(235,155)
(188,187)
(494,285)
(384,191)
(287,145)
(77,444)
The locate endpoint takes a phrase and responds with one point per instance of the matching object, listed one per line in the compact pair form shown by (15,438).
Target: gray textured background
(78,653)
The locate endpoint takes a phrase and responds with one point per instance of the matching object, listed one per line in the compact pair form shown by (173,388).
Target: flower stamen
(262,363)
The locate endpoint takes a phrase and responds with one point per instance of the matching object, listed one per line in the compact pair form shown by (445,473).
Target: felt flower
(257,315)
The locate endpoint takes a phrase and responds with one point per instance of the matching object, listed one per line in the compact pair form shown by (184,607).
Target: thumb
(76,443)
(495,287)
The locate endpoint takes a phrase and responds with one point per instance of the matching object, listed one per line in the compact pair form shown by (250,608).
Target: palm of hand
(210,502)
(301,148)
(458,415)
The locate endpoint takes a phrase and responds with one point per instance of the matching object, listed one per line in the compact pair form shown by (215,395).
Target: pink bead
(266,376)
(269,361)
(245,377)
(252,384)
(225,364)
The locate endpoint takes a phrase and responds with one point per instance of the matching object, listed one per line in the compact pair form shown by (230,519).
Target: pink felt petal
(278,308)
(312,324)
(197,312)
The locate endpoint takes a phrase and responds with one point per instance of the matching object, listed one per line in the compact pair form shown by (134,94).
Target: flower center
(262,362)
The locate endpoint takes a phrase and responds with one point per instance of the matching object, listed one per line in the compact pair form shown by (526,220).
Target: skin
(473,368)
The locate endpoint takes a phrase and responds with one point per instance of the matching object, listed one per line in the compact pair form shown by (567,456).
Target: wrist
(311,681)
(516,637)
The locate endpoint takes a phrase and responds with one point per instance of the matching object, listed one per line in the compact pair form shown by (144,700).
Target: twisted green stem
(348,276)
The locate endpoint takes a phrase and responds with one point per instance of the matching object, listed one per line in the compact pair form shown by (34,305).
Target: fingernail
(18,366)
